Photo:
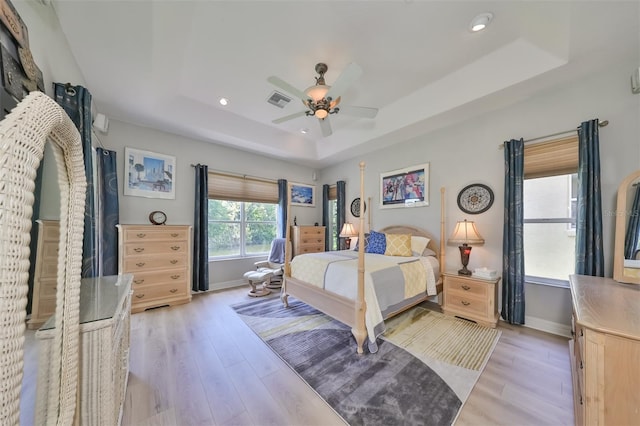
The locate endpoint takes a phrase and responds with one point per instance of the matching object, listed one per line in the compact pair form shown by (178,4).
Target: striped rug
(425,368)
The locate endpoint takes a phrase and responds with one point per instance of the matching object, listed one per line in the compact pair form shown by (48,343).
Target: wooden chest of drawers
(159,257)
(307,239)
(471,298)
(46,271)
(604,351)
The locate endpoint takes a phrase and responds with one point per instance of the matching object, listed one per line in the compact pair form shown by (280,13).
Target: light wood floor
(199,364)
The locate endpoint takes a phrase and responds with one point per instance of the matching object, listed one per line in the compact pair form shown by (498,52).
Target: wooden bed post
(287,252)
(359,330)
(442,245)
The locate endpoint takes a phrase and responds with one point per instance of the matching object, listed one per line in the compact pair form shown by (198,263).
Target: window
(333,215)
(549,228)
(550,191)
(242,215)
(238,228)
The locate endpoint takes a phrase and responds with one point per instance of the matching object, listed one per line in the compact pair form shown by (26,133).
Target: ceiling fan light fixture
(480,22)
(321,113)
(317,92)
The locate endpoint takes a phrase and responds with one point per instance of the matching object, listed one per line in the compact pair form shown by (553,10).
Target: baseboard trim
(227,284)
(548,326)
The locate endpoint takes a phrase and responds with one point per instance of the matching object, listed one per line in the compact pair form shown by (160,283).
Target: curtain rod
(601,123)
(238,175)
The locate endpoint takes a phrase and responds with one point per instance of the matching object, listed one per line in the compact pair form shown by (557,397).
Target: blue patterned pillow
(366,243)
(377,243)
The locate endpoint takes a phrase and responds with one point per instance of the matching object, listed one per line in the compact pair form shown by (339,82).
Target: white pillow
(418,244)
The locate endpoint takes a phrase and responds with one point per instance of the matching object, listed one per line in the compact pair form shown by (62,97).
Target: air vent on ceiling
(278,99)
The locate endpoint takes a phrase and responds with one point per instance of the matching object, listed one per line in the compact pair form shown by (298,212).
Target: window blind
(333,192)
(224,186)
(551,158)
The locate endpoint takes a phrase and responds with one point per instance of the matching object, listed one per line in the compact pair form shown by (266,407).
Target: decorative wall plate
(475,198)
(355,207)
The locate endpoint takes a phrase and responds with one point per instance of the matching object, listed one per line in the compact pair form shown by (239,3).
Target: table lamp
(465,234)
(347,232)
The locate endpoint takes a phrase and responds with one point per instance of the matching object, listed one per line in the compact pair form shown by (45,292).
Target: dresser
(105,306)
(159,257)
(605,350)
(46,270)
(307,239)
(471,298)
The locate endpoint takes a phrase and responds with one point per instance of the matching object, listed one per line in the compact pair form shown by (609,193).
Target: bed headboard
(403,229)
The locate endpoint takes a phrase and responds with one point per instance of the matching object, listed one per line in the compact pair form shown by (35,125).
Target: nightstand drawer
(467,304)
(467,287)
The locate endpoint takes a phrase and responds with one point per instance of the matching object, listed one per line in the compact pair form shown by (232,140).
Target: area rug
(424,370)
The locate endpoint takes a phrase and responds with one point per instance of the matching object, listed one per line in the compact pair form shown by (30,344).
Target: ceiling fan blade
(358,111)
(325,126)
(346,79)
(289,117)
(287,87)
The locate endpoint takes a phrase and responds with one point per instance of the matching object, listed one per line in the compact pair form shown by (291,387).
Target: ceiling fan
(322,100)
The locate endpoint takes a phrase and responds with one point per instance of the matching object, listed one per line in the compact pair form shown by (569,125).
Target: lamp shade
(348,230)
(466,233)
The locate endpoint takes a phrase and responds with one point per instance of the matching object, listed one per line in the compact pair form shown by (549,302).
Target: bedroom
(601,91)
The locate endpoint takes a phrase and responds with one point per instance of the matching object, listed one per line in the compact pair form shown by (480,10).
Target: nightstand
(471,298)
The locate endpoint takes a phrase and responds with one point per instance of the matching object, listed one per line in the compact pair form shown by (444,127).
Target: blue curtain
(340,207)
(201,230)
(512,243)
(108,211)
(632,237)
(589,251)
(282,208)
(326,218)
(76,101)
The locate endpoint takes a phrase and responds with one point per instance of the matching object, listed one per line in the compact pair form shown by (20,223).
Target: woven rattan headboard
(23,134)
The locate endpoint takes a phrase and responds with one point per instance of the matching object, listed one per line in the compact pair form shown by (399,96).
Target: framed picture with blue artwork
(408,187)
(302,195)
(149,174)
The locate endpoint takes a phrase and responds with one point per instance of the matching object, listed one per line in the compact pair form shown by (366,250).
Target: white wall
(135,210)
(468,153)
(53,56)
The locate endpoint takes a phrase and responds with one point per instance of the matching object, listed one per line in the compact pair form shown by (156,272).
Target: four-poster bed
(349,304)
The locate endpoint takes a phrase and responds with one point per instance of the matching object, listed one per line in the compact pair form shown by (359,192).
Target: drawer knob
(466,287)
(175,277)
(140,264)
(138,281)
(140,296)
(173,261)
(465,303)
(138,249)
(175,247)
(141,235)
(173,290)
(174,235)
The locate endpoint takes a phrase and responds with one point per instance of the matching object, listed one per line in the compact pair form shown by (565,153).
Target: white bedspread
(336,271)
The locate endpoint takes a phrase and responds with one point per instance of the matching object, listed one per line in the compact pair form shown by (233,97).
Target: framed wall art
(408,187)
(302,195)
(149,174)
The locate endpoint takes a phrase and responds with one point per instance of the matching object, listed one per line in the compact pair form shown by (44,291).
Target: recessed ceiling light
(224,101)
(304,131)
(480,22)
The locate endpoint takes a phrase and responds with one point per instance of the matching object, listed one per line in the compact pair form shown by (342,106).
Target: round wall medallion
(158,217)
(476,198)
(355,207)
